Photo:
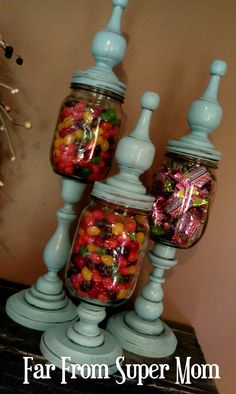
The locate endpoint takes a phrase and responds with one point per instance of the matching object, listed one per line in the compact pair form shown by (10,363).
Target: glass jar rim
(210,163)
(104,92)
(118,205)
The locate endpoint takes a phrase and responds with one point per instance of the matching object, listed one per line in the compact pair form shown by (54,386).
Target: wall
(170,47)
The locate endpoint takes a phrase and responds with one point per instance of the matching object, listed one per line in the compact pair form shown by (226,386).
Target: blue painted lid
(204,116)
(134,155)
(108,49)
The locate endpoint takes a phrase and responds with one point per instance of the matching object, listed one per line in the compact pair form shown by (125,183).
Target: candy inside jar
(108,250)
(183,189)
(86,134)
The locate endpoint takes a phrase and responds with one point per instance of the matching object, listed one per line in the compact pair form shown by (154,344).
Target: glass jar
(107,252)
(183,189)
(86,133)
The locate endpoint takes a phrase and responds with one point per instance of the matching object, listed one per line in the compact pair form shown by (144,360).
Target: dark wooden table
(17,341)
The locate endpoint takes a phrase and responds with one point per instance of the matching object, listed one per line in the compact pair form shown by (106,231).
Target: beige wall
(170,47)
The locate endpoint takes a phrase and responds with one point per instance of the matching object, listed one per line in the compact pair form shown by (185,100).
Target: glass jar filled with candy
(86,133)
(107,253)
(183,189)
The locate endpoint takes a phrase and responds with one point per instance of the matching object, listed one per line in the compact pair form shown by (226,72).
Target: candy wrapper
(183,190)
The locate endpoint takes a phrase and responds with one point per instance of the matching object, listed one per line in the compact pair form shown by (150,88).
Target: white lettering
(195,371)
(119,362)
(64,369)
(183,377)
(26,369)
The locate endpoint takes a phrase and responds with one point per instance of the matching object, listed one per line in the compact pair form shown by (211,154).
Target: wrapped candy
(183,189)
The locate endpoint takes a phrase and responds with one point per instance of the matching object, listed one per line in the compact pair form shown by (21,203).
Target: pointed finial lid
(108,49)
(134,155)
(204,116)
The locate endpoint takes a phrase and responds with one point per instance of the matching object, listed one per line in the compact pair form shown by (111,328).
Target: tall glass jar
(183,190)
(107,253)
(86,133)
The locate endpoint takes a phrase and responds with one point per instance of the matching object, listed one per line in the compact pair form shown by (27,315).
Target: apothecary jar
(183,190)
(108,249)
(86,133)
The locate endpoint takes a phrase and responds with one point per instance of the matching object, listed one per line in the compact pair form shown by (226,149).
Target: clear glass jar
(107,252)
(183,189)
(86,133)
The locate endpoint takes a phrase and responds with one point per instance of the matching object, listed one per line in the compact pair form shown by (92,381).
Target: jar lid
(204,116)
(108,49)
(127,199)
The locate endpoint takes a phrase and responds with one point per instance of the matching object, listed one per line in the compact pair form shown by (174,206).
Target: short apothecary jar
(86,133)
(107,253)
(183,189)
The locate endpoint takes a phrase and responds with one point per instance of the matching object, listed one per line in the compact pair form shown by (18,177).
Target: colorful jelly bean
(85,140)
(107,254)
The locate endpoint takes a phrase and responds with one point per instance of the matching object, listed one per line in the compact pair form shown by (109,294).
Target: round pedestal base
(162,345)
(61,351)
(19,310)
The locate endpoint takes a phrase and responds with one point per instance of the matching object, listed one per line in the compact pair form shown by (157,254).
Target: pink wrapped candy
(183,189)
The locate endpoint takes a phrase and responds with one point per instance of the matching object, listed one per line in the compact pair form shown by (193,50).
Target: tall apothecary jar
(183,187)
(86,133)
(107,253)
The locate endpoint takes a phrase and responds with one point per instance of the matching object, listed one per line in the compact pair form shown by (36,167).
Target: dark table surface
(17,341)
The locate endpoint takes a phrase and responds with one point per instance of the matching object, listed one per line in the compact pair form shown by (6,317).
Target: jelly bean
(132,269)
(130,225)
(100,140)
(117,228)
(80,261)
(88,117)
(109,115)
(88,221)
(140,237)
(111,243)
(98,214)
(80,106)
(93,230)
(97,109)
(96,159)
(107,259)
(105,145)
(92,247)
(123,293)
(134,246)
(122,261)
(133,256)
(95,257)
(79,133)
(87,274)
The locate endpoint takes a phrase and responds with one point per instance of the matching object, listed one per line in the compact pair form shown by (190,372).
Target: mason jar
(183,189)
(86,133)
(107,252)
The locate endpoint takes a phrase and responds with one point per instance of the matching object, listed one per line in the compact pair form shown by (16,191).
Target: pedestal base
(56,345)
(162,345)
(21,311)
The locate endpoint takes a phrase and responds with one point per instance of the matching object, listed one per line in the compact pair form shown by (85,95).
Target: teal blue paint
(84,341)
(142,331)
(45,303)
(108,49)
(204,116)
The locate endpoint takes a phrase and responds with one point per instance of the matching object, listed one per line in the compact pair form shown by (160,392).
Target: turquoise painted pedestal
(141,331)
(45,303)
(84,342)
